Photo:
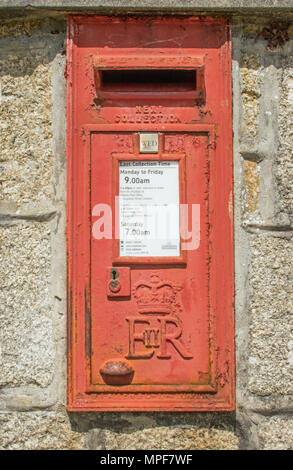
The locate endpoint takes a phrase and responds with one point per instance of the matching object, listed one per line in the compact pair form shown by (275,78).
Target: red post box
(150,223)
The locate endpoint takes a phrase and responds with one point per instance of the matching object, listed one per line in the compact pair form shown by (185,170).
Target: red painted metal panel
(149,333)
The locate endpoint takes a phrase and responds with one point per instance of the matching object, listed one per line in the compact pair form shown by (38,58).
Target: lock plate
(118,282)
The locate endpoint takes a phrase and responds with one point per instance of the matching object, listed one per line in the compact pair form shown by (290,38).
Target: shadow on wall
(49,39)
(156,430)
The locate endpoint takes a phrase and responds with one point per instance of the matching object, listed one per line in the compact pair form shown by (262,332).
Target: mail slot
(150,214)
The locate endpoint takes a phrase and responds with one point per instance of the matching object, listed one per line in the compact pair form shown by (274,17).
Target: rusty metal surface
(152,333)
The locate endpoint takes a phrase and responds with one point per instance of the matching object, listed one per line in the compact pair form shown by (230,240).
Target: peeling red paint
(169,319)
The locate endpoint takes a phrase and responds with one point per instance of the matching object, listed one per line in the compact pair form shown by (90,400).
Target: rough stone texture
(32,231)
(271,316)
(266,151)
(39,430)
(26,134)
(265,97)
(251,184)
(158,431)
(27,347)
(263,236)
(276,434)
(166,437)
(191,4)
(284,162)
(33,266)
(251,77)
(19,28)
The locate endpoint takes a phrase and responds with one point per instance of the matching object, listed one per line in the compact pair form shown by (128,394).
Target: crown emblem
(155,296)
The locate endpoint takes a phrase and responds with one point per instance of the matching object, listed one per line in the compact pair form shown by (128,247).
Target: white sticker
(149,208)
(148,143)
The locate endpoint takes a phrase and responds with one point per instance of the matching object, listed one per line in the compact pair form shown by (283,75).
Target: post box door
(149,216)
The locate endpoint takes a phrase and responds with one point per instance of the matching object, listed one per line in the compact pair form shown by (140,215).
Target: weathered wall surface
(33,264)
(263,110)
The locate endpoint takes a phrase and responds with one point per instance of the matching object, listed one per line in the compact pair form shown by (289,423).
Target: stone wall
(33,264)
(263,110)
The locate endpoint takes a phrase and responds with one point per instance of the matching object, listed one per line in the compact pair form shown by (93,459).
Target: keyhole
(114,274)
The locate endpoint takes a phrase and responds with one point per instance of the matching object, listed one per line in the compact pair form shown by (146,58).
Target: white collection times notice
(149,208)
